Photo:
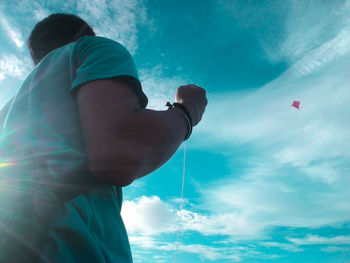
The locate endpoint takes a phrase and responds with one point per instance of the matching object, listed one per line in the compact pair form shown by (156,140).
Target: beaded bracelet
(186,114)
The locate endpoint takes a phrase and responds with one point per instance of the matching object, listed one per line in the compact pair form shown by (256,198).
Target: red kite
(296,104)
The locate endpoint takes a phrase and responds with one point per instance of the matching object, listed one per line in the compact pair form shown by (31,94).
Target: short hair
(56,31)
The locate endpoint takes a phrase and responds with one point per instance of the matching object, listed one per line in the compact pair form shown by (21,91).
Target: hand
(194,99)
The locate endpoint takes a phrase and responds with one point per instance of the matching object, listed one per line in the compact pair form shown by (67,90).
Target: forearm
(156,137)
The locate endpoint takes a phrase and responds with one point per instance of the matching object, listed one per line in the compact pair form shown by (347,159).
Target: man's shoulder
(93,41)
(96,50)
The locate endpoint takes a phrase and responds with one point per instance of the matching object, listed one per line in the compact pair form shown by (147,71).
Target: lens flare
(6,164)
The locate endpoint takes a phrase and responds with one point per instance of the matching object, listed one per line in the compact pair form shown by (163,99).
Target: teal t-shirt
(44,179)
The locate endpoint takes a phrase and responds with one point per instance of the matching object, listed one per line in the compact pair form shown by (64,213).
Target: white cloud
(327,52)
(142,241)
(304,33)
(319,240)
(162,217)
(40,13)
(13,33)
(288,30)
(159,88)
(231,252)
(284,246)
(252,206)
(157,216)
(205,252)
(12,66)
(334,249)
(117,20)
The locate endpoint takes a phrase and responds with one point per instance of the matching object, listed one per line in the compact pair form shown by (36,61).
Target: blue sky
(264,182)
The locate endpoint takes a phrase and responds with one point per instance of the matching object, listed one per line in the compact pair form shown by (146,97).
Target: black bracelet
(186,114)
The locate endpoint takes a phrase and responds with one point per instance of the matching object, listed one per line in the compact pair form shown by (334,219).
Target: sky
(264,182)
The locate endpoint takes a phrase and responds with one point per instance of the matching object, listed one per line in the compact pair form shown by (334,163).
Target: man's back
(42,145)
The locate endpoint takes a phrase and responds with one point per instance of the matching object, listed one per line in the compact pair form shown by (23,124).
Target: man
(76,132)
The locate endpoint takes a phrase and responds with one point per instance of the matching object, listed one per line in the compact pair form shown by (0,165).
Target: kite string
(181,203)
(302,123)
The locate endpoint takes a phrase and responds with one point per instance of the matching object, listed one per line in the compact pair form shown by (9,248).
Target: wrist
(181,108)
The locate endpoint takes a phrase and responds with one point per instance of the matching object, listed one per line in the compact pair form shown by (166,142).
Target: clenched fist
(194,99)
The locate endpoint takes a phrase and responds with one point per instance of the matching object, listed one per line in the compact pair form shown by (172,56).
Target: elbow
(118,175)
(123,180)
(119,168)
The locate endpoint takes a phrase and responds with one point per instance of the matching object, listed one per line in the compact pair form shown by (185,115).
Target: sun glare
(5,164)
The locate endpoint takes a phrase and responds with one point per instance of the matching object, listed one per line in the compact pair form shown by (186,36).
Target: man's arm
(124,142)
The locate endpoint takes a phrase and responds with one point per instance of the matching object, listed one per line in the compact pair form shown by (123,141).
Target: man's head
(56,31)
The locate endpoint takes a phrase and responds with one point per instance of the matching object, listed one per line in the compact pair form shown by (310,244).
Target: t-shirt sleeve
(102,58)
